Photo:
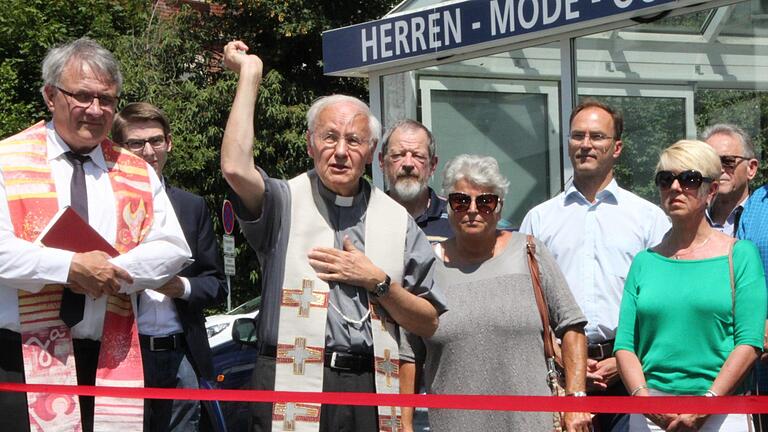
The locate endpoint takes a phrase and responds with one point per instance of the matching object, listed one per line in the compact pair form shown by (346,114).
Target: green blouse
(679,318)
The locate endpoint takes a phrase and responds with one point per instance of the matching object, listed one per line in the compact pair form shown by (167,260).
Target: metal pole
(229,295)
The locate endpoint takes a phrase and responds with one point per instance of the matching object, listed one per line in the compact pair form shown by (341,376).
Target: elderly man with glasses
(594,229)
(343,264)
(72,311)
(746,214)
(737,157)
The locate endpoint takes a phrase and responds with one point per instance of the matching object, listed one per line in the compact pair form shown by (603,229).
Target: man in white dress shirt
(82,83)
(594,229)
(174,342)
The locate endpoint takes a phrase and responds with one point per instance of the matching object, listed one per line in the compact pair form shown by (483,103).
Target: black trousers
(13,405)
(169,369)
(333,418)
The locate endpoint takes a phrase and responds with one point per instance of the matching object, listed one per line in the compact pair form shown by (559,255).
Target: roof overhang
(431,35)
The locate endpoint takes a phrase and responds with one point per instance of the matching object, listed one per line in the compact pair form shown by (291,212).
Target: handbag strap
(541,303)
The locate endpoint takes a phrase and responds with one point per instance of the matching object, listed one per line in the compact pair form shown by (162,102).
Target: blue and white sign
(439,30)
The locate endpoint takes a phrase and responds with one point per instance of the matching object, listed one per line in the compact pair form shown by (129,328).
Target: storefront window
(510,127)
(671,75)
(670,88)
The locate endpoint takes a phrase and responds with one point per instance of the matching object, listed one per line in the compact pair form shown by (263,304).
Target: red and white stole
(304,305)
(46,340)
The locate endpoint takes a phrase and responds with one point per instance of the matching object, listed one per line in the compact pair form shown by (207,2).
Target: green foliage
(174,63)
(166,65)
(745,108)
(282,146)
(650,125)
(28,28)
(286,34)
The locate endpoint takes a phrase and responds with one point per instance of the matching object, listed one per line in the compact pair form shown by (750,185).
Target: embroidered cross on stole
(304,306)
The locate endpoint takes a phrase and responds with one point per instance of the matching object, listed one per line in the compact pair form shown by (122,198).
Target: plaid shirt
(753,224)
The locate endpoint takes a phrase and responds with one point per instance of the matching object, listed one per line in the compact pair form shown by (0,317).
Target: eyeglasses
(689,180)
(84,100)
(730,162)
(485,203)
(331,139)
(593,137)
(156,142)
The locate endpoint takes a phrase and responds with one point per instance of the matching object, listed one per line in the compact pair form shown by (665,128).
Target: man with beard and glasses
(594,229)
(408,160)
(739,166)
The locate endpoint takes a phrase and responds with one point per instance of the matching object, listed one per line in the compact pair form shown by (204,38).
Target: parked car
(233,361)
(232,337)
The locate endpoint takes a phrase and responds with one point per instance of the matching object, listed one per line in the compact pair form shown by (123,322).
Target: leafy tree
(745,108)
(28,28)
(174,63)
(650,125)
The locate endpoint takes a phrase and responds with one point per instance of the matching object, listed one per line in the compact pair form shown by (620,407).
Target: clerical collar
(341,201)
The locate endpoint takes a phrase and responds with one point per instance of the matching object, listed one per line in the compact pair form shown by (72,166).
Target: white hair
(320,104)
(87,51)
(747,146)
(481,171)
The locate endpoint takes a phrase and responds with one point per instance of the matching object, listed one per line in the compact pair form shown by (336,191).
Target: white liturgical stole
(304,306)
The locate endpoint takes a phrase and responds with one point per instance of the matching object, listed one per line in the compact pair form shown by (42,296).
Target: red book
(68,231)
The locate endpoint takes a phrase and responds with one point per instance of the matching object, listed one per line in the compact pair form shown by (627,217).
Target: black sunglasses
(485,203)
(689,180)
(731,161)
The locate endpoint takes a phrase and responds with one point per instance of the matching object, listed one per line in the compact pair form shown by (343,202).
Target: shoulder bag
(554,376)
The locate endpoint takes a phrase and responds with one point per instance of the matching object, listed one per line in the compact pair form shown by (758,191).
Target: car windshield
(247,307)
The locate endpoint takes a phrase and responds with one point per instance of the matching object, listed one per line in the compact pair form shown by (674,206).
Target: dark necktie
(73,304)
(736,219)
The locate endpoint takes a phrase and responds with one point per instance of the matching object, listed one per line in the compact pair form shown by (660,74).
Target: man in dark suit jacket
(174,343)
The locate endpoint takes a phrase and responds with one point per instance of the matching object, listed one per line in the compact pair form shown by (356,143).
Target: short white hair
(324,102)
(481,171)
(84,50)
(747,146)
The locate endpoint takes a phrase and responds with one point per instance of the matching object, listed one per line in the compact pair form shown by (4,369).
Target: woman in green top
(684,327)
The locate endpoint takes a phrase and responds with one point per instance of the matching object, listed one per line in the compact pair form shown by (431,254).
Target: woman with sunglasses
(694,306)
(489,341)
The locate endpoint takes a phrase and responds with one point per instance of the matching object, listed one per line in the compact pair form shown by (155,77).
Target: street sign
(229,265)
(228,243)
(450,28)
(228,217)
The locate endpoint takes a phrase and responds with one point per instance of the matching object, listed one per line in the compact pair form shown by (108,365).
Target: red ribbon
(595,404)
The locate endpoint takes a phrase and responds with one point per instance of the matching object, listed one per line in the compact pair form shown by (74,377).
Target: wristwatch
(577,394)
(382,288)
